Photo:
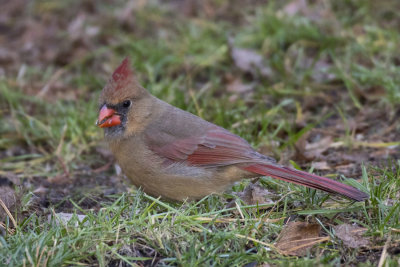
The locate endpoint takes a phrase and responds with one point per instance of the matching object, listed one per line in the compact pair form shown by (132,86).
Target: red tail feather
(307,179)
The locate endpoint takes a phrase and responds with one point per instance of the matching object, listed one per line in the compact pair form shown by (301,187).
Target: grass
(338,67)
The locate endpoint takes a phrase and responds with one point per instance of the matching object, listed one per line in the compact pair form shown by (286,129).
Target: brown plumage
(171,153)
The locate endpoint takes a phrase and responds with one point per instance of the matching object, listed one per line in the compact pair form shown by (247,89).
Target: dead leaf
(76,27)
(351,235)
(294,7)
(320,165)
(318,11)
(255,194)
(237,86)
(345,168)
(313,150)
(64,218)
(249,61)
(297,237)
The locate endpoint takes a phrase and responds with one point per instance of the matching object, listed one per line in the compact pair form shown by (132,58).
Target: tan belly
(174,182)
(185,186)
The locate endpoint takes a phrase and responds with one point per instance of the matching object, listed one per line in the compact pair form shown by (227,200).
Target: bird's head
(124,104)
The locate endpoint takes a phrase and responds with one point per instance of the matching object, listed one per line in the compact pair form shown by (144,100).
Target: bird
(176,155)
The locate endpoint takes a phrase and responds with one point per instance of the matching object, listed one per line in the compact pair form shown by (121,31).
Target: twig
(384,251)
(258,241)
(8,213)
(64,167)
(10,231)
(104,167)
(309,244)
(240,211)
(52,80)
(232,220)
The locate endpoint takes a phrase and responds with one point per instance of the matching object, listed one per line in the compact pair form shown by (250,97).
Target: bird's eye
(126,103)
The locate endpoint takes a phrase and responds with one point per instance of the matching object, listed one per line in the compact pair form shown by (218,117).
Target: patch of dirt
(87,188)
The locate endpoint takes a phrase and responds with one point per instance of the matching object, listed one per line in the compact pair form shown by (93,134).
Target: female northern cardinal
(171,153)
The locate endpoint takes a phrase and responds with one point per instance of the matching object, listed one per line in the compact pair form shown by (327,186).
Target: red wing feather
(217,147)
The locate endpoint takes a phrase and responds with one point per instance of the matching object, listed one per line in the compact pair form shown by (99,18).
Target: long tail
(307,179)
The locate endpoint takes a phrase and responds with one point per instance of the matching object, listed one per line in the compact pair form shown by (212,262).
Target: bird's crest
(122,85)
(122,74)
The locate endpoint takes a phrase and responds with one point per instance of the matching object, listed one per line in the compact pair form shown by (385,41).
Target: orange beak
(108,118)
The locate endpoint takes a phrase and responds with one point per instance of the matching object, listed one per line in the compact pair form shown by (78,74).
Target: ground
(314,84)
